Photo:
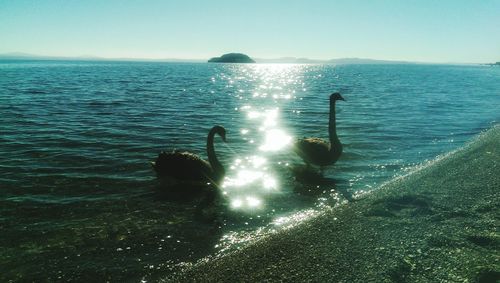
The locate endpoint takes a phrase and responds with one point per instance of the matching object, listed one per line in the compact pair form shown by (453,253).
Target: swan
(317,151)
(189,167)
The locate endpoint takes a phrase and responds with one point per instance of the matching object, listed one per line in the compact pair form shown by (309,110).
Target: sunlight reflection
(252,201)
(253,114)
(236,203)
(270,183)
(258,161)
(294,219)
(270,118)
(245,177)
(274,140)
(242,178)
(253,176)
(248,202)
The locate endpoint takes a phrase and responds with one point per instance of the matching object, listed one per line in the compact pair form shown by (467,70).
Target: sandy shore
(438,224)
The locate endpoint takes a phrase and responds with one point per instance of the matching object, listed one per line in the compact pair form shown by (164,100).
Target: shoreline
(436,224)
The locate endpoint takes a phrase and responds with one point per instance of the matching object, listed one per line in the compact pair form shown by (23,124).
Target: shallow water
(79,199)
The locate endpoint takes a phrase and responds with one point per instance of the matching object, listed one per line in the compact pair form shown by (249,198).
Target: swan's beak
(341,98)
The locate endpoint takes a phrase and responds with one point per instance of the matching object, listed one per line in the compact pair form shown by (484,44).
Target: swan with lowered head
(189,167)
(318,152)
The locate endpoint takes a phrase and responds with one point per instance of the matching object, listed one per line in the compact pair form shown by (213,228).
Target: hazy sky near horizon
(414,30)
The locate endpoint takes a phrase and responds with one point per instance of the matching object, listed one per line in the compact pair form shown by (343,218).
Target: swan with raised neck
(316,151)
(217,168)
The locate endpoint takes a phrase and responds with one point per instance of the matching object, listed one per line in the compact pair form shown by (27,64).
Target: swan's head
(336,96)
(221,132)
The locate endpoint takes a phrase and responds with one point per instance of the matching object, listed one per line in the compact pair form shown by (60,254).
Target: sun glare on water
(252,176)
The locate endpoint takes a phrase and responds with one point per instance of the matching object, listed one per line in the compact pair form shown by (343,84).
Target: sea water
(78,197)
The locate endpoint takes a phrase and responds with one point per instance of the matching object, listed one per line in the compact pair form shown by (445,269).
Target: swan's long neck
(335,145)
(217,167)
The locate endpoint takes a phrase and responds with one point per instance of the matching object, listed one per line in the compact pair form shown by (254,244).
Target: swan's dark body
(189,167)
(317,151)
(182,166)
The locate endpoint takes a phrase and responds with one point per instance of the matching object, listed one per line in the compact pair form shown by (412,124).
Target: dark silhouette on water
(318,152)
(232,58)
(189,168)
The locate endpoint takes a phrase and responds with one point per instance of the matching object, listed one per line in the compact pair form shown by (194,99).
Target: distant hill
(26,56)
(232,58)
(341,61)
(291,60)
(346,61)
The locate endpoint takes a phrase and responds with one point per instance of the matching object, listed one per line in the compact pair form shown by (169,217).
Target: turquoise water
(78,198)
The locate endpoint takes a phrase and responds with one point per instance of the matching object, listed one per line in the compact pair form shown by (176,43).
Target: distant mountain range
(293,60)
(26,56)
(340,61)
(494,64)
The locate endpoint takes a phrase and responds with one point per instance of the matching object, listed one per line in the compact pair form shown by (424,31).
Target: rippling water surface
(78,198)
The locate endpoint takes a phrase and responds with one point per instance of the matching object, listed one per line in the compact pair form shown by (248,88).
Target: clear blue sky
(416,30)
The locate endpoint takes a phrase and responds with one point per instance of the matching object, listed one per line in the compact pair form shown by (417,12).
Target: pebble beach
(436,224)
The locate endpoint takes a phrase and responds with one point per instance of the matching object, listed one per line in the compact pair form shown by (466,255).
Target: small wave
(35,91)
(51,199)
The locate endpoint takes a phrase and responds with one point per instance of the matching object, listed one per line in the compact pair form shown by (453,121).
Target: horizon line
(200,60)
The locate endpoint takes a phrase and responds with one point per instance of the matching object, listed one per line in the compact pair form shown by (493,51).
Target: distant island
(232,58)
(492,64)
